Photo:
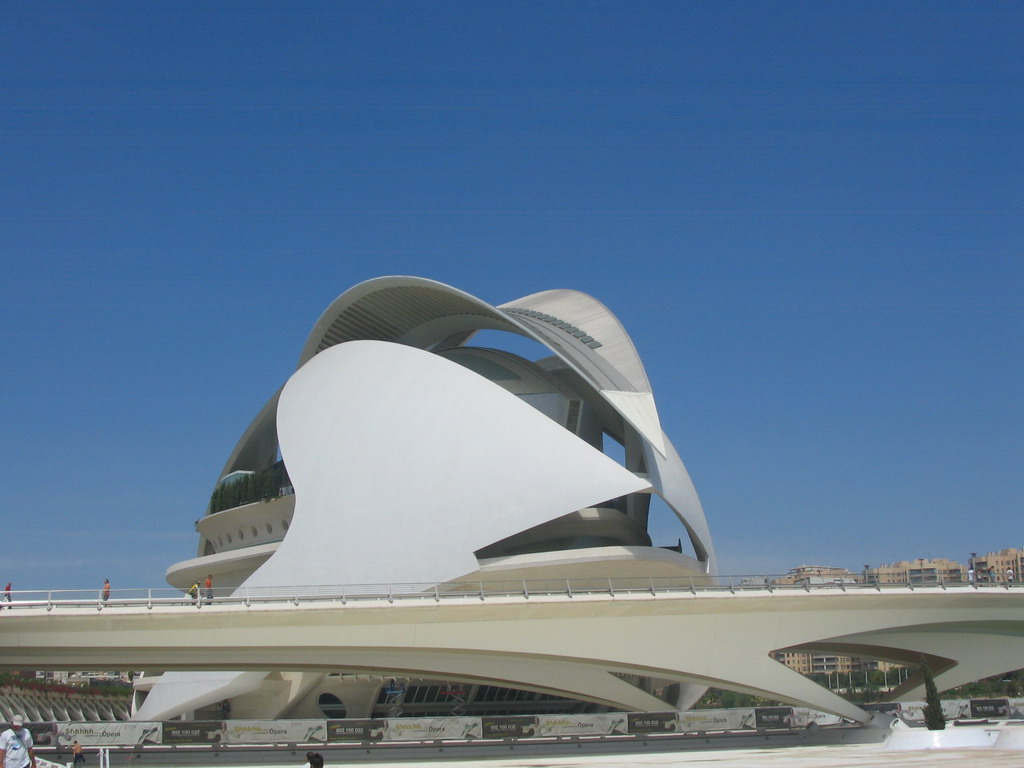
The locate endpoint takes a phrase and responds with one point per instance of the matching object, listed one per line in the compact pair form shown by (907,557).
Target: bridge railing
(407,592)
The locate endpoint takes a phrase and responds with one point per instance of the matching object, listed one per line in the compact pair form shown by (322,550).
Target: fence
(420,729)
(405,593)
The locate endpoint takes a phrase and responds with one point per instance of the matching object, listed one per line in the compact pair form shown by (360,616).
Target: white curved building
(402,453)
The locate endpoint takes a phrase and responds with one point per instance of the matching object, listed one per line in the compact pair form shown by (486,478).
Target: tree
(934,720)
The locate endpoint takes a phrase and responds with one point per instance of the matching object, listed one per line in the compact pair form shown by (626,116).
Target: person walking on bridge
(16,746)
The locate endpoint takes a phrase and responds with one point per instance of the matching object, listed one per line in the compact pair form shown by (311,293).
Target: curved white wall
(404,464)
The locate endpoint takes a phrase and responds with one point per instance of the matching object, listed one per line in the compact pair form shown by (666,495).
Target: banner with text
(802,717)
(990,708)
(193,732)
(653,722)
(716,719)
(951,710)
(774,717)
(429,728)
(108,734)
(582,725)
(274,731)
(356,730)
(889,707)
(44,732)
(511,727)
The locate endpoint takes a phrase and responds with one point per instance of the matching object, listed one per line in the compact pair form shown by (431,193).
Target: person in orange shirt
(209,586)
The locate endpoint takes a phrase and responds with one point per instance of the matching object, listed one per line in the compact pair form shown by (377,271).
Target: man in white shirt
(16,746)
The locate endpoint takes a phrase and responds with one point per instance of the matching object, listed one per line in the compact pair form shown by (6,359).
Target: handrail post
(149,599)
(732,587)
(693,587)
(768,583)
(526,591)
(568,588)
(391,597)
(481,590)
(611,587)
(650,580)
(437,597)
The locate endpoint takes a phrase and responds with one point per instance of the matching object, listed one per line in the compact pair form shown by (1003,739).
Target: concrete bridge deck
(577,639)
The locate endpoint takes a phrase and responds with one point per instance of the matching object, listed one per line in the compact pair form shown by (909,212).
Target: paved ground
(851,756)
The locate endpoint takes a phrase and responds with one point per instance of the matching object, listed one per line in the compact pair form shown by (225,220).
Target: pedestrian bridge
(581,638)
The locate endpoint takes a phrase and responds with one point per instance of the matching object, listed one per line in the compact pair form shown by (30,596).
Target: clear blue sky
(808,215)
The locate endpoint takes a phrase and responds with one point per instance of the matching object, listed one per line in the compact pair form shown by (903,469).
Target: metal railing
(482,590)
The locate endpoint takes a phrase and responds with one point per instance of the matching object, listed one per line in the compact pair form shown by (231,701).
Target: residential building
(997,563)
(815,575)
(923,570)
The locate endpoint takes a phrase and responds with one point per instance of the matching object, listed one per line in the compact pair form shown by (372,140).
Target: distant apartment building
(923,570)
(999,562)
(828,663)
(815,575)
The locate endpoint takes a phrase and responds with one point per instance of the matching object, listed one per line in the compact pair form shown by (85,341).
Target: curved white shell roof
(611,344)
(425,313)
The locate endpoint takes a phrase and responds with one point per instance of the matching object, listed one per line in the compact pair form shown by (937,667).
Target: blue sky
(808,216)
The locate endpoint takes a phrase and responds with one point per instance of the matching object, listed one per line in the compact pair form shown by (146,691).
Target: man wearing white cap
(16,745)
